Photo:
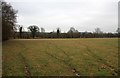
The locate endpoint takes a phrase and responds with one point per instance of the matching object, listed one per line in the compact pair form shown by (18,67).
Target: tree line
(34,32)
(9,28)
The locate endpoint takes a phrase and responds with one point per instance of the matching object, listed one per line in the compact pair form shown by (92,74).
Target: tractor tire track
(23,60)
(26,66)
(66,62)
(98,58)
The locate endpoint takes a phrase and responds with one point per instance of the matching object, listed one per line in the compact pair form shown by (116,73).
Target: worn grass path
(60,57)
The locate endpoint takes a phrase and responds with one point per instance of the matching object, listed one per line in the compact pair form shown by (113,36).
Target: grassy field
(61,57)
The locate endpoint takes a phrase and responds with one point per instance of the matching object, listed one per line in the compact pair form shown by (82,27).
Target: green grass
(61,57)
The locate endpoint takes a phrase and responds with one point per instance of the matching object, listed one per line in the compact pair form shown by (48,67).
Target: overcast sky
(84,15)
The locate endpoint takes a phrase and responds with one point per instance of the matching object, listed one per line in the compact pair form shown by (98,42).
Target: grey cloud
(82,14)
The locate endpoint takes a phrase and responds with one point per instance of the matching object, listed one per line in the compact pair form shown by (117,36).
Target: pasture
(60,57)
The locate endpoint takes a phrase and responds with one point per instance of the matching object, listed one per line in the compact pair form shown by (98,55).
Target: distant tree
(72,31)
(42,30)
(19,28)
(33,30)
(98,30)
(8,20)
(58,32)
(20,31)
(118,30)
(42,34)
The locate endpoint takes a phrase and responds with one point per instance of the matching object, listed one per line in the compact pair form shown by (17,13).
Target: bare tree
(33,30)
(72,31)
(58,32)
(98,30)
(42,30)
(118,30)
(20,31)
(8,20)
